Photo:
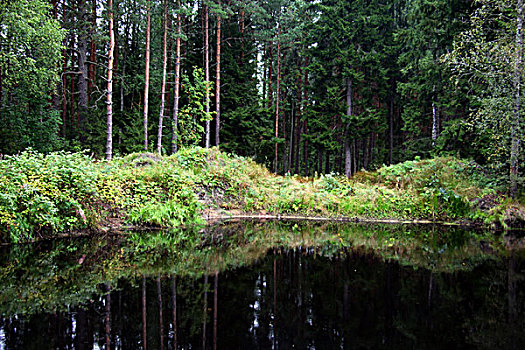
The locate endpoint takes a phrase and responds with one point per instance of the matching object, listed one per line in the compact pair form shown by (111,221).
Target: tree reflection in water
(315,297)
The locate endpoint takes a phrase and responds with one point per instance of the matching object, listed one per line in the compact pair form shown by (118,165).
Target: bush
(43,194)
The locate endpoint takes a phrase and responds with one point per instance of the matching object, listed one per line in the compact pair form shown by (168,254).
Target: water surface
(265,286)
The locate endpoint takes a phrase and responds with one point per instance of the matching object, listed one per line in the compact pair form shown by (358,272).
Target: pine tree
(109,101)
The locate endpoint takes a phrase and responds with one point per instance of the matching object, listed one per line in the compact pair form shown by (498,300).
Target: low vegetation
(43,195)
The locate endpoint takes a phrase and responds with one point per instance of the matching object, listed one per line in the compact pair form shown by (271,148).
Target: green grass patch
(42,195)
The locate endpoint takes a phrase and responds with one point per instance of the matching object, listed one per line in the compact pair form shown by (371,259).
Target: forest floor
(45,195)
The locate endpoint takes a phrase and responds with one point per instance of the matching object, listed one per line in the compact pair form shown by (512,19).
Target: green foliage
(31,45)
(193,113)
(485,60)
(44,194)
(41,277)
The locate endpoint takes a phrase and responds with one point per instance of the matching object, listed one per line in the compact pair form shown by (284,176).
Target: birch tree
(488,57)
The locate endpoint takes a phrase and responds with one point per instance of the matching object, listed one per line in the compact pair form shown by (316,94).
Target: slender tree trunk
(146,76)
(109,97)
(355,153)
(74,122)
(270,74)
(265,71)
(348,154)
(298,110)
(55,97)
(82,66)
(174,302)
(371,149)
(174,139)
(215,311)
(365,152)
(168,69)
(515,132)
(207,73)
(277,92)
(122,81)
(305,125)
(512,279)
(291,145)
(205,312)
(92,50)
(319,161)
(163,86)
(274,304)
(107,318)
(161,318)
(218,84)
(434,118)
(391,128)
(241,30)
(64,82)
(144,318)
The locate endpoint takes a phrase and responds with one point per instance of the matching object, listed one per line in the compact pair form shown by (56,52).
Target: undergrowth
(42,195)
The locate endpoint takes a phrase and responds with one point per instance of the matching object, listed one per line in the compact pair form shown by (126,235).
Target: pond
(275,285)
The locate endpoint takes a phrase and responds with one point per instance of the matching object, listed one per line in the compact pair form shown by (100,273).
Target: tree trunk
(207,72)
(241,29)
(144,315)
(348,155)
(122,81)
(277,91)
(64,82)
(391,127)
(319,161)
(363,147)
(218,84)
(305,124)
(298,110)
(270,73)
(205,312)
(107,318)
(434,118)
(174,302)
(109,97)
(215,311)
(355,153)
(174,138)
(291,145)
(82,66)
(163,86)
(161,318)
(55,97)
(92,50)
(265,71)
(515,132)
(146,76)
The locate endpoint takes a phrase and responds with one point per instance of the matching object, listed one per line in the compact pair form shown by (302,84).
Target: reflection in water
(107,318)
(205,312)
(174,309)
(215,305)
(306,298)
(144,315)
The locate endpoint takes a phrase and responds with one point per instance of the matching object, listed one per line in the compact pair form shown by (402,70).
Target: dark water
(81,294)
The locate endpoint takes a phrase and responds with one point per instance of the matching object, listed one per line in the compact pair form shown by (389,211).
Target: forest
(221,174)
(302,87)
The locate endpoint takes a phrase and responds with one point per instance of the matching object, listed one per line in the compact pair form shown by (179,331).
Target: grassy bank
(43,195)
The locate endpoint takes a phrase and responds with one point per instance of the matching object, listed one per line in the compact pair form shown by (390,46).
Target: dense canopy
(301,86)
